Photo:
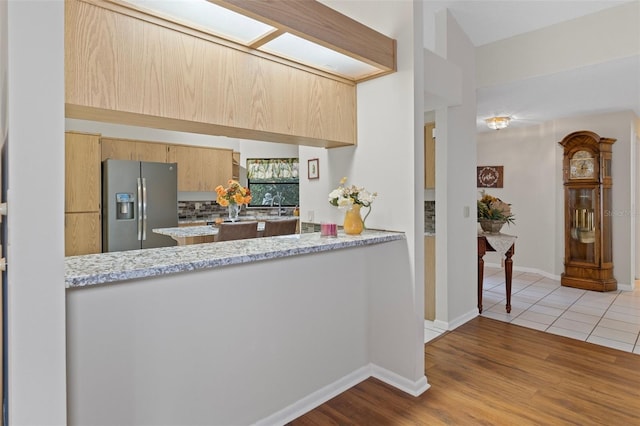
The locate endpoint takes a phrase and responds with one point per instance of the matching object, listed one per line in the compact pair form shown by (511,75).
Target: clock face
(582,166)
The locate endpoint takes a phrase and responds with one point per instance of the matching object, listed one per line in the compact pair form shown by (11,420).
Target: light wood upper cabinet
(201,169)
(429,156)
(142,71)
(127,149)
(82,172)
(82,233)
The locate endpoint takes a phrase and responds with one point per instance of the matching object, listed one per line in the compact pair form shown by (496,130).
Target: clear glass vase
(234,211)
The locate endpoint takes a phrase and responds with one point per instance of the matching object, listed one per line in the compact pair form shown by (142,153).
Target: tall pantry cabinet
(82,230)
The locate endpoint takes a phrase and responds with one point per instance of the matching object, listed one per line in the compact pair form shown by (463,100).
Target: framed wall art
(490,176)
(314,169)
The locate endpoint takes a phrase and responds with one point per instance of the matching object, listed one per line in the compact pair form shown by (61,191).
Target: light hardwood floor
(488,372)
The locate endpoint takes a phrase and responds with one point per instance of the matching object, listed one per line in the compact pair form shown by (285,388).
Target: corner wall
(456,266)
(35,251)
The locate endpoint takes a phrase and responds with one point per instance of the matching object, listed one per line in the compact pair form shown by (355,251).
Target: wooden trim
(157,122)
(320,24)
(191,29)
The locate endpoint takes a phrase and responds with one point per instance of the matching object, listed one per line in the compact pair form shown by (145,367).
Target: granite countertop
(429,234)
(112,267)
(194,231)
(187,231)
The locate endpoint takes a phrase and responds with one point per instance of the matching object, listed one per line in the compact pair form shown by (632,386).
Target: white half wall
(241,343)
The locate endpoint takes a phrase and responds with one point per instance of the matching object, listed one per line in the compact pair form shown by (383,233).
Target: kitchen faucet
(279,196)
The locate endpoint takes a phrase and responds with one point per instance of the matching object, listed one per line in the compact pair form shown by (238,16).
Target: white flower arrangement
(346,196)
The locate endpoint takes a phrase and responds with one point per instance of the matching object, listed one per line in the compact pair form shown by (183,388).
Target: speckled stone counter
(188,231)
(127,265)
(193,231)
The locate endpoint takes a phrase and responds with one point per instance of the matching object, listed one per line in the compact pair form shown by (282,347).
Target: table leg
(508,271)
(480,278)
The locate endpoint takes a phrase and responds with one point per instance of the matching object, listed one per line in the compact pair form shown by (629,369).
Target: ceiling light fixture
(497,123)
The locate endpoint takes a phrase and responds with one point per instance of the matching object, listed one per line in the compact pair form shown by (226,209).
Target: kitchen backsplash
(198,209)
(191,210)
(430,216)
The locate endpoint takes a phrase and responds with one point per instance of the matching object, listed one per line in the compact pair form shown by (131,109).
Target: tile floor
(610,319)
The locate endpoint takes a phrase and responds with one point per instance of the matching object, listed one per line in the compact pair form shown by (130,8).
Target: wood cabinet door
(430,278)
(82,233)
(126,149)
(82,172)
(217,168)
(149,151)
(235,166)
(189,166)
(117,149)
(429,156)
(201,168)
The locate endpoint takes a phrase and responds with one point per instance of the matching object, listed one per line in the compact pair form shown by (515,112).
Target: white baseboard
(524,269)
(457,322)
(435,325)
(389,377)
(316,398)
(324,394)
(626,287)
(621,286)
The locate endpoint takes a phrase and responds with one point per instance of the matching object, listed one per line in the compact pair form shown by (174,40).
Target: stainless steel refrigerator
(138,196)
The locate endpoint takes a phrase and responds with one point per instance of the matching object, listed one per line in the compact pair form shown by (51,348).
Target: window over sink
(273,182)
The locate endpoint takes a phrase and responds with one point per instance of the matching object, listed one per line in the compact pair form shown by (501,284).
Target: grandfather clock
(588,258)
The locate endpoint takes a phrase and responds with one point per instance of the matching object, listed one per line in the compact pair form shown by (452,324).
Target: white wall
(4,97)
(456,256)
(35,253)
(591,39)
(389,155)
(637,196)
(532,160)
(248,343)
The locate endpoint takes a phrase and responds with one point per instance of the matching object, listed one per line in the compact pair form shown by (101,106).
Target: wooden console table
(483,247)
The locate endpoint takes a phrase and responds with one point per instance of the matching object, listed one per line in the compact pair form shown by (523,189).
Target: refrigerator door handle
(144,209)
(140,208)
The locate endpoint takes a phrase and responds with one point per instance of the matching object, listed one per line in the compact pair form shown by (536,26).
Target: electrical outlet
(197,205)
(310,216)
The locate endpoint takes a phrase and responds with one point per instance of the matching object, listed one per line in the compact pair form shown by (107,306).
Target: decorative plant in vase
(233,197)
(493,213)
(351,199)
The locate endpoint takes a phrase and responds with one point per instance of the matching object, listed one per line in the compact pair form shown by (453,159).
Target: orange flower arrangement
(233,194)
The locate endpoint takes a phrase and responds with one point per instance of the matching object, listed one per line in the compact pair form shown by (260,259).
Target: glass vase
(353,224)
(234,211)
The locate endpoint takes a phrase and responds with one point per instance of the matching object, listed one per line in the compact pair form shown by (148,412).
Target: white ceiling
(605,87)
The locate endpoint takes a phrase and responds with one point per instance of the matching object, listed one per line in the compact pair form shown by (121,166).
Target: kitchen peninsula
(125,265)
(194,334)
